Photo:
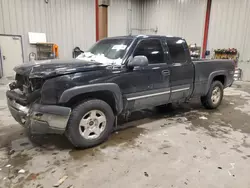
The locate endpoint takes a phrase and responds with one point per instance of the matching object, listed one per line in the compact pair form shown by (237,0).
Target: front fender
(78,90)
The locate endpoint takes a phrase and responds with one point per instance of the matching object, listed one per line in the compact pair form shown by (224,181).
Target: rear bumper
(230,80)
(40,119)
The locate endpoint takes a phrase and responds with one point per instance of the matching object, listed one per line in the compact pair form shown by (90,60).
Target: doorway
(11,54)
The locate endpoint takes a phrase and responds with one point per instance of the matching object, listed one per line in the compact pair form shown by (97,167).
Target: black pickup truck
(82,97)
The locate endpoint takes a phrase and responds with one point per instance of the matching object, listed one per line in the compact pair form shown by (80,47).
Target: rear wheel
(90,123)
(214,96)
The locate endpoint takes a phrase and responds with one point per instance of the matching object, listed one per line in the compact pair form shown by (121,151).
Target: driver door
(156,75)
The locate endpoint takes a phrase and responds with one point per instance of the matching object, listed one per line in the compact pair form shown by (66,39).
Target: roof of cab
(142,36)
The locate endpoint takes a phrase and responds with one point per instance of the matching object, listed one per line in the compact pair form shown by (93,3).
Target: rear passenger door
(181,68)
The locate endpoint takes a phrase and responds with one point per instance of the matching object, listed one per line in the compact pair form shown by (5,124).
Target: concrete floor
(187,147)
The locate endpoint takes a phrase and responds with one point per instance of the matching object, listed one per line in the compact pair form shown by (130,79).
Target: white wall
(230,26)
(118,17)
(68,23)
(122,16)
(245,66)
(184,18)
(229,21)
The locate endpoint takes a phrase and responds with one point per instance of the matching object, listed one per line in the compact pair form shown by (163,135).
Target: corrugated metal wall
(123,15)
(68,23)
(71,23)
(230,26)
(183,18)
(135,17)
(118,17)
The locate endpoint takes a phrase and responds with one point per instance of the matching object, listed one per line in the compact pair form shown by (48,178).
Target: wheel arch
(108,92)
(220,75)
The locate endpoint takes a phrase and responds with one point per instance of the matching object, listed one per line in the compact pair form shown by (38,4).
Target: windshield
(111,48)
(108,51)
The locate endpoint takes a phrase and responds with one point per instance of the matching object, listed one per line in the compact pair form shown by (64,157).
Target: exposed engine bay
(25,90)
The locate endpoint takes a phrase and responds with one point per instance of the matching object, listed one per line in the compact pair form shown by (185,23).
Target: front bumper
(40,119)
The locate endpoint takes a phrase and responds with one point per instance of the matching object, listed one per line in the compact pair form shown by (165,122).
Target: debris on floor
(32,176)
(146,174)
(60,181)
(229,170)
(232,166)
(11,152)
(181,119)
(21,144)
(203,117)
(39,186)
(21,171)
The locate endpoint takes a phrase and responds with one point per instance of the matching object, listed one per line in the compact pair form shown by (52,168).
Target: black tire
(207,101)
(77,114)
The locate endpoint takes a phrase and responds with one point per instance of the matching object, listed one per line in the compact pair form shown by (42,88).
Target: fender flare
(213,75)
(78,90)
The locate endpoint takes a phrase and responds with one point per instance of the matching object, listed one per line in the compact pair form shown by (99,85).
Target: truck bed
(205,69)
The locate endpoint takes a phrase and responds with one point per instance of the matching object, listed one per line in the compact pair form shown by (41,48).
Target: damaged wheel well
(106,96)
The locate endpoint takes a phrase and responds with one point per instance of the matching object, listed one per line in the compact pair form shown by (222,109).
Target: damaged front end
(24,102)
(24,90)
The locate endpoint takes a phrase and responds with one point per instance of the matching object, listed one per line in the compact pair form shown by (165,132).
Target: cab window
(152,49)
(176,50)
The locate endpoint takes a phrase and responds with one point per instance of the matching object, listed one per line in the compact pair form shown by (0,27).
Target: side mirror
(140,61)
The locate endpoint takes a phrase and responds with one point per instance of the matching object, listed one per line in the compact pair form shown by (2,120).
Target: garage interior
(218,26)
(187,146)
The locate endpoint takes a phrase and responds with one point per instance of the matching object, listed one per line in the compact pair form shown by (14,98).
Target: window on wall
(152,49)
(176,50)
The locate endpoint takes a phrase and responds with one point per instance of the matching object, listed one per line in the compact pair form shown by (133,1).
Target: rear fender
(213,75)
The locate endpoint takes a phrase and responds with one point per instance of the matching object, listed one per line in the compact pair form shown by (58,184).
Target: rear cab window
(176,48)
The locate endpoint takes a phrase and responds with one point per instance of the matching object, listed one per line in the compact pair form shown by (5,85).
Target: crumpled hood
(52,68)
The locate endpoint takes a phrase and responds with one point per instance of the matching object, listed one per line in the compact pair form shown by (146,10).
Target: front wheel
(90,123)
(214,96)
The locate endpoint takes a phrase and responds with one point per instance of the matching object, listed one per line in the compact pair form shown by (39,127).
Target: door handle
(165,72)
